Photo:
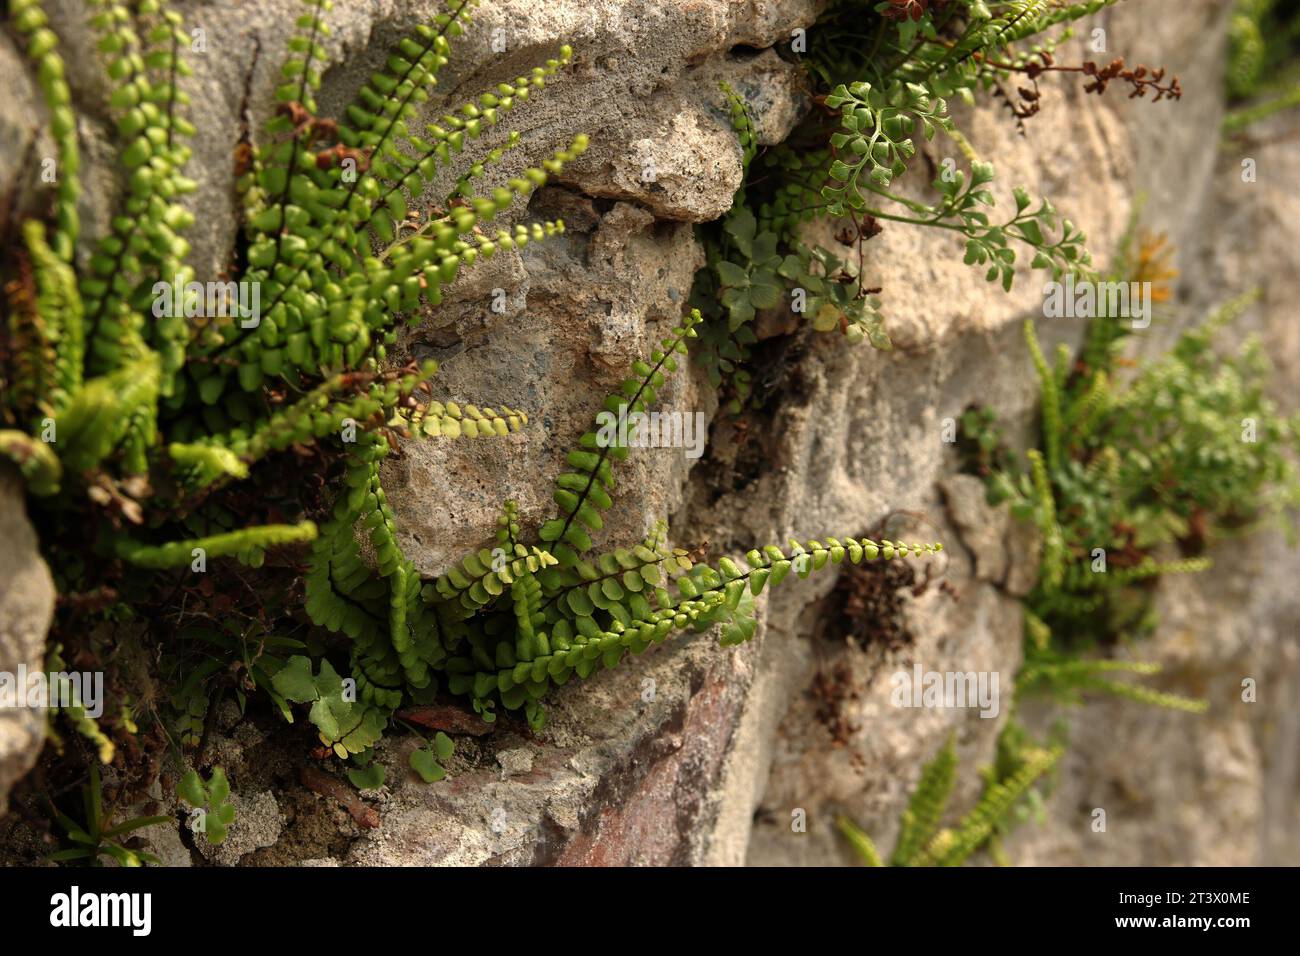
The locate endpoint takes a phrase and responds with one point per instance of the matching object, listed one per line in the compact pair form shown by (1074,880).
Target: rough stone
(515,762)
(26,609)
(258,823)
(1218,789)
(694,754)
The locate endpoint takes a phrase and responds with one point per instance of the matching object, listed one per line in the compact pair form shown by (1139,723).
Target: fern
(754,258)
(211,799)
(527,619)
(245,542)
(1066,678)
(1124,474)
(30,20)
(584,492)
(875,137)
(175,425)
(113,399)
(896,88)
(1261,62)
(1050,400)
(926,807)
(75,711)
(921,839)
(861,841)
(883,76)
(953,847)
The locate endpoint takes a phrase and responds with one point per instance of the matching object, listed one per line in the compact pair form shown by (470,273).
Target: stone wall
(692,753)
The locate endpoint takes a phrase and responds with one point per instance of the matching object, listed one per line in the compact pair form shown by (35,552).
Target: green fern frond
(583,492)
(1081,577)
(450,420)
(1037,632)
(645,566)
(1053,555)
(508,526)
(42,49)
(352,194)
(927,804)
(37,463)
(98,418)
(479,579)
(1145,695)
(860,841)
(595,625)
(1086,410)
(145,239)
(59,307)
(32,338)
(875,137)
(1065,669)
(743,125)
(1066,678)
(301,70)
(922,843)
(953,847)
(1038,17)
(247,543)
(1050,399)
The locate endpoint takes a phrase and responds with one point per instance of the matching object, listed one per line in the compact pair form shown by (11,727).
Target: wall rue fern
(882,76)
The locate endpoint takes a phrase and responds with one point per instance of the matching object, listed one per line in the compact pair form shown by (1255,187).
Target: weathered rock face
(1220,789)
(26,608)
(695,754)
(1093,157)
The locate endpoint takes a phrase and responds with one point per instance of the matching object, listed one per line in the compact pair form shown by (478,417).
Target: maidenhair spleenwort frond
(450,420)
(1082,577)
(743,125)
(1050,397)
(248,543)
(204,464)
(478,579)
(42,331)
(583,492)
(1038,635)
(353,194)
(1053,552)
(1144,695)
(301,72)
(1044,16)
(120,394)
(921,842)
(1067,678)
(860,841)
(1088,408)
(145,244)
(99,417)
(952,847)
(925,809)
(59,307)
(30,20)
(1016,18)
(619,612)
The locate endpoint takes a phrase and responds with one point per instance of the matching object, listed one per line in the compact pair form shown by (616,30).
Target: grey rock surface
(692,753)
(1220,789)
(26,609)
